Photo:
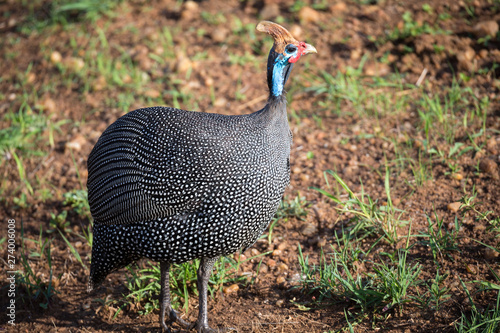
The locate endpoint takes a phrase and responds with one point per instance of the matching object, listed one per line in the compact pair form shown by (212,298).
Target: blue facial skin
(281,70)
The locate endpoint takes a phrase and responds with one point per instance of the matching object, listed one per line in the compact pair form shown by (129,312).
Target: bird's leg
(204,271)
(165,301)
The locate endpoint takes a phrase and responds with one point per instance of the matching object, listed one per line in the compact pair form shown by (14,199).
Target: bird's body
(173,185)
(203,190)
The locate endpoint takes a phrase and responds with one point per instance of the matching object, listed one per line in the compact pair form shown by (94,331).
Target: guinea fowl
(172,185)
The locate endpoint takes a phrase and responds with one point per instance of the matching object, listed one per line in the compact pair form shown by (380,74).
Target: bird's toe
(165,328)
(174,318)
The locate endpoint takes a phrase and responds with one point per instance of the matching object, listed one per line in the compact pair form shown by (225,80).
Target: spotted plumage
(173,185)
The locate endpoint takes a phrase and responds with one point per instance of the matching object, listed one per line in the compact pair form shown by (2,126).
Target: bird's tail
(109,253)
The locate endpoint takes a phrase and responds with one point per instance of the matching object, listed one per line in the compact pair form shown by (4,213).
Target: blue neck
(278,79)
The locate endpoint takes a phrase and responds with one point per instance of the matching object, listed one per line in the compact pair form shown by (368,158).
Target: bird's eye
(290,48)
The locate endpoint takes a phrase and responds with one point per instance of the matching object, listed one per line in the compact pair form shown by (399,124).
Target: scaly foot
(173,317)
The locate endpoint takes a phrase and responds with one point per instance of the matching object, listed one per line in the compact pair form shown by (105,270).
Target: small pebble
(152,93)
(490,253)
(76,143)
(75,64)
(304,177)
(183,64)
(158,50)
(454,285)
(271,263)
(296,278)
(338,7)
(190,10)
(99,83)
(376,69)
(309,229)
(279,302)
(280,280)
(321,242)
(454,206)
(486,28)
(191,5)
(489,167)
(470,269)
(231,289)
(55,57)
(479,228)
(464,63)
(127,79)
(209,82)
(219,35)
(283,246)
(282,268)
(277,253)
(31,77)
(491,145)
(270,11)
(220,102)
(296,31)
(49,105)
(317,241)
(469,53)
(308,15)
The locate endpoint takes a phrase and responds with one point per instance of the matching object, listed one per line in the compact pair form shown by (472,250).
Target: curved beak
(309,49)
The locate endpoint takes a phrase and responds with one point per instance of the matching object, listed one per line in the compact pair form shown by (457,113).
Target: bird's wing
(151,163)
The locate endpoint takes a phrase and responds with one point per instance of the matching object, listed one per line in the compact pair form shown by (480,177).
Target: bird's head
(285,52)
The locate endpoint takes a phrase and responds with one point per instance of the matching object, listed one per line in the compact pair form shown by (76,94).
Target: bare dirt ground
(218,65)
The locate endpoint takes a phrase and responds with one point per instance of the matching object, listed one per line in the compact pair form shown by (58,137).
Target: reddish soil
(342,32)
